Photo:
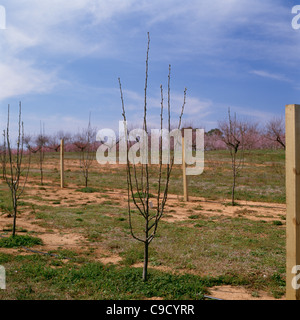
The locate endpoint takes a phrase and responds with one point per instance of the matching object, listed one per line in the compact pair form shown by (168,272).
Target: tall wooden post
(185,188)
(62,169)
(292,201)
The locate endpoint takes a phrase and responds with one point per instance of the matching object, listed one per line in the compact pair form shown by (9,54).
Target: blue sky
(62,59)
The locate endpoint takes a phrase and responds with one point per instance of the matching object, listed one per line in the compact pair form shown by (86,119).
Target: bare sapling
(138,177)
(233,136)
(84,143)
(41,142)
(37,145)
(15,173)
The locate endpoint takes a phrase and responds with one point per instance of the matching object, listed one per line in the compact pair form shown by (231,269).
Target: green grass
(194,216)
(46,279)
(19,241)
(87,190)
(43,278)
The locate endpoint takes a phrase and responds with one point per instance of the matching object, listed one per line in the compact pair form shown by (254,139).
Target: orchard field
(83,248)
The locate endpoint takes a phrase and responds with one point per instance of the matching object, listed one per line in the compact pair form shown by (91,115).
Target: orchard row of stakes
(188,147)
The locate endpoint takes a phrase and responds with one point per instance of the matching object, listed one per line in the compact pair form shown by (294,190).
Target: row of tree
(251,136)
(232,134)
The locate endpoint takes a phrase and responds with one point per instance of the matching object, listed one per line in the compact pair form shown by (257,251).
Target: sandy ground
(238,293)
(176,210)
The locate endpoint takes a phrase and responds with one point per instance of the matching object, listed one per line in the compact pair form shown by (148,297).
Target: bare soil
(239,293)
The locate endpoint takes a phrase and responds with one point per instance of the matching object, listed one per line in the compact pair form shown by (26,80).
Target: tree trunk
(15,214)
(41,166)
(233,190)
(86,180)
(41,169)
(146,255)
(234,180)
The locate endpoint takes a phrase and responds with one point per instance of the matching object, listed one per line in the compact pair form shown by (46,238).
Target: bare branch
(141,201)
(12,158)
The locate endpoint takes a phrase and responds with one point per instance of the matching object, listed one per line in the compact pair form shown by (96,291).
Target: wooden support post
(185,188)
(292,201)
(62,169)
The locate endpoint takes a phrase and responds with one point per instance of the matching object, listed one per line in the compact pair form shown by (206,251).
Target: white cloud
(20,77)
(67,26)
(266,74)
(220,31)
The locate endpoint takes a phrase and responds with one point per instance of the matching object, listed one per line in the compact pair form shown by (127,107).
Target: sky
(62,60)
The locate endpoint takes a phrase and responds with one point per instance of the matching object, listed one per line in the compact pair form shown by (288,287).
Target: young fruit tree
(38,145)
(233,135)
(84,143)
(15,174)
(147,216)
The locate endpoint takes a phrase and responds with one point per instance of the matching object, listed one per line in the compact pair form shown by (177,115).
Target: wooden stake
(185,189)
(292,200)
(62,169)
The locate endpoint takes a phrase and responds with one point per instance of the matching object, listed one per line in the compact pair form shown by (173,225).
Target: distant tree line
(270,136)
(255,136)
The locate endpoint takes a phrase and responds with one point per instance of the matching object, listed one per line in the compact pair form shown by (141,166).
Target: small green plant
(9,228)
(199,207)
(255,294)
(277,223)
(231,204)
(87,190)
(198,225)
(107,203)
(194,217)
(7,209)
(19,241)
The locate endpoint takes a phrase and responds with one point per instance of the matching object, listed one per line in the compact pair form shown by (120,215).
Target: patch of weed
(19,241)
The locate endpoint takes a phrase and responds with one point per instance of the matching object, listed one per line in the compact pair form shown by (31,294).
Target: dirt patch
(70,197)
(65,240)
(110,260)
(239,293)
(177,210)
(52,240)
(160,268)
(106,257)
